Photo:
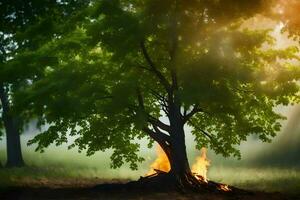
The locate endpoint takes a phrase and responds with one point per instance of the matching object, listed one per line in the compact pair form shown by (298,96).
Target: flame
(201,165)
(160,163)
(199,169)
(224,187)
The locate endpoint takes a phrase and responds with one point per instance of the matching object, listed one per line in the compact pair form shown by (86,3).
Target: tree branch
(161,134)
(162,140)
(157,95)
(184,112)
(158,74)
(140,99)
(162,101)
(143,67)
(174,46)
(159,137)
(154,122)
(195,110)
(201,130)
(158,123)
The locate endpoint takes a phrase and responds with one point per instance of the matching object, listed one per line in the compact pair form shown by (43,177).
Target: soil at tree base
(134,190)
(92,194)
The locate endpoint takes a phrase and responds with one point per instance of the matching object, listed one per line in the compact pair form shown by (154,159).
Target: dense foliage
(25,27)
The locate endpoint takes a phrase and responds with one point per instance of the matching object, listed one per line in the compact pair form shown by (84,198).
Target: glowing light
(160,163)
(224,187)
(201,166)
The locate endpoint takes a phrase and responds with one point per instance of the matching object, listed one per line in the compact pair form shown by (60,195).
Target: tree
(14,155)
(128,63)
(25,25)
(1,133)
(9,122)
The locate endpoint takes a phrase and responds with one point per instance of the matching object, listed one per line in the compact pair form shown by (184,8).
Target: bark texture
(14,153)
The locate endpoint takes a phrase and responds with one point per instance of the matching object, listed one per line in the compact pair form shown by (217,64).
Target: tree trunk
(178,155)
(180,176)
(180,172)
(14,153)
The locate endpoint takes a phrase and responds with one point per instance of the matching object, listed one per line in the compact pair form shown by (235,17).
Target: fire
(224,187)
(161,162)
(201,165)
(199,169)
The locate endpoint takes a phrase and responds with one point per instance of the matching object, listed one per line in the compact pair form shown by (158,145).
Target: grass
(261,179)
(60,168)
(57,166)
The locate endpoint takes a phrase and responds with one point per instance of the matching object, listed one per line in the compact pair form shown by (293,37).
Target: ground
(90,193)
(84,189)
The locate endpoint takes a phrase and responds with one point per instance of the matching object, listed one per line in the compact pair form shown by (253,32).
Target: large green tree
(129,63)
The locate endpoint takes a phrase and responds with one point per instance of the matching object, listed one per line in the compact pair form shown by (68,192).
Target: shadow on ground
(117,192)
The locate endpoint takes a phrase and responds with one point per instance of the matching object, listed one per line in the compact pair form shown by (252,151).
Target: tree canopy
(25,27)
(122,65)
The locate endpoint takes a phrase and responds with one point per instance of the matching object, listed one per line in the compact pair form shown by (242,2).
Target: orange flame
(224,187)
(161,162)
(201,165)
(199,168)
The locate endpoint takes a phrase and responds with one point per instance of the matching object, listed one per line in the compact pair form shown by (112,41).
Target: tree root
(164,182)
(167,182)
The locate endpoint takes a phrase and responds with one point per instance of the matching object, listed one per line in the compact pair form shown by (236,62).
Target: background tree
(1,134)
(9,122)
(25,25)
(132,62)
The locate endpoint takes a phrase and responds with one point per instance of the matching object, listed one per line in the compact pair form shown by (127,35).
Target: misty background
(275,164)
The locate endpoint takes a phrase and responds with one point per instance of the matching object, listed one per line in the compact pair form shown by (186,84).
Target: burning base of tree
(160,178)
(191,182)
(165,182)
